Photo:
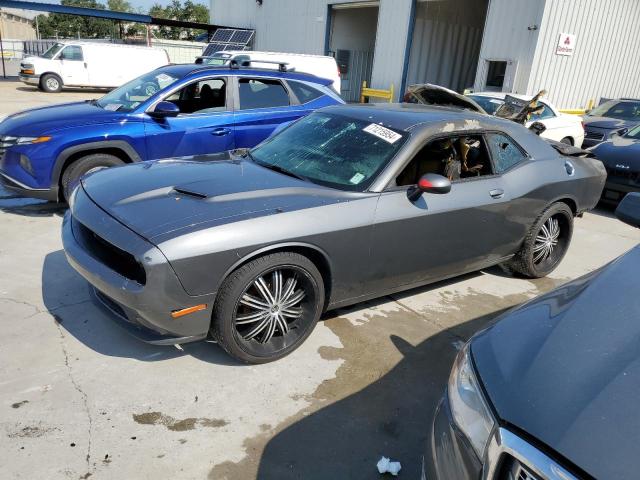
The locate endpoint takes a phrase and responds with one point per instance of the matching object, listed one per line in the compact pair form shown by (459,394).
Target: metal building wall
(510,33)
(606,60)
(300,26)
(446,42)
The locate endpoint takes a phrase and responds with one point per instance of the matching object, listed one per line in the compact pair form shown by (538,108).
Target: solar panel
(223,35)
(241,36)
(214,47)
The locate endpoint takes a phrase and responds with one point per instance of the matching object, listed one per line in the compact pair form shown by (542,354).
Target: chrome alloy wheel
(546,240)
(270,306)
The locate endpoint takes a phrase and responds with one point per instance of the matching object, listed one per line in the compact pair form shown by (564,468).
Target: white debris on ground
(385,465)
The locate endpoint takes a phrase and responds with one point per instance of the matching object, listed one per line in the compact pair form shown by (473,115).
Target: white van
(83,64)
(319,65)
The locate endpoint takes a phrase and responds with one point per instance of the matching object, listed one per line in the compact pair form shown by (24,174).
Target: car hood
(606,123)
(39,121)
(429,94)
(164,199)
(620,153)
(565,368)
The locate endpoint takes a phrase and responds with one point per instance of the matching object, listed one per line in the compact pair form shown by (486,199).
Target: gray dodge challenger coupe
(344,205)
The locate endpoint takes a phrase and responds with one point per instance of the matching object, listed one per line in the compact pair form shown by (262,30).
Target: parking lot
(82,399)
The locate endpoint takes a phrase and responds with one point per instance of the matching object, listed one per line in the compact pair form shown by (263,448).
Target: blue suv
(174,111)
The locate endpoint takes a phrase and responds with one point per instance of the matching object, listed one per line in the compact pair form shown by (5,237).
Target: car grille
(516,471)
(625,176)
(6,142)
(591,135)
(113,257)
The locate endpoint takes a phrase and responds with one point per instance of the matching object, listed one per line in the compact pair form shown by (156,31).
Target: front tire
(51,83)
(83,166)
(546,243)
(268,307)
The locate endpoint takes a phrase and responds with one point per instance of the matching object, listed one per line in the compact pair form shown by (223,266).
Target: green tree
(189,12)
(59,25)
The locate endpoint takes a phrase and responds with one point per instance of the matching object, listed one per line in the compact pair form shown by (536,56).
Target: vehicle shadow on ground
(390,417)
(29,207)
(68,298)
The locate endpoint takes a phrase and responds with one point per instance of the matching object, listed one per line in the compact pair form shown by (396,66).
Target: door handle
(497,193)
(219,132)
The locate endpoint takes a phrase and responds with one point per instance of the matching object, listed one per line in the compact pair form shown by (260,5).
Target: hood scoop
(190,193)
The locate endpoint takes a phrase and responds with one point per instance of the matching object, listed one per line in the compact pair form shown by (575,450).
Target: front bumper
(29,79)
(614,191)
(449,454)
(143,309)
(15,186)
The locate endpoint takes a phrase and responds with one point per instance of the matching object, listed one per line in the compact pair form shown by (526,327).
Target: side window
(72,52)
(457,157)
(304,92)
(546,113)
(261,93)
(506,153)
(205,96)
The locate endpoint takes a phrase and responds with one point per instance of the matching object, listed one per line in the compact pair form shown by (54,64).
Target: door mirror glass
(628,209)
(165,109)
(429,183)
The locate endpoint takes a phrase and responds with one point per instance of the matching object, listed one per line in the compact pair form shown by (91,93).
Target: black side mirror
(628,210)
(429,183)
(537,127)
(164,110)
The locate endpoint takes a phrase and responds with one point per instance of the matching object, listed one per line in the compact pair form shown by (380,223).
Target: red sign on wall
(566,44)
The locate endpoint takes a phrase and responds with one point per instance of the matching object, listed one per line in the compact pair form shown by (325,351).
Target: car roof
(184,69)
(408,116)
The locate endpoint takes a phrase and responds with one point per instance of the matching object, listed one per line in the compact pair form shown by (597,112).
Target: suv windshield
(634,133)
(331,150)
(130,95)
(614,109)
(52,51)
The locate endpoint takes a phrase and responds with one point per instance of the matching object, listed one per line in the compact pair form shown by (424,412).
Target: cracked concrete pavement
(79,398)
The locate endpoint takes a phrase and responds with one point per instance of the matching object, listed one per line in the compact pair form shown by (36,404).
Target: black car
(621,158)
(550,392)
(609,118)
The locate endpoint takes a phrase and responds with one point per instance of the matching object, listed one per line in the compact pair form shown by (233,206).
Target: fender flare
(90,146)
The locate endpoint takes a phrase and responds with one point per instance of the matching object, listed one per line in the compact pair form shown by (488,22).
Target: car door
(73,68)
(204,124)
(261,105)
(441,235)
(557,128)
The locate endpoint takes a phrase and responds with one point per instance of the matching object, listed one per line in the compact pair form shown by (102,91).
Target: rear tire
(50,83)
(546,243)
(567,141)
(268,307)
(84,165)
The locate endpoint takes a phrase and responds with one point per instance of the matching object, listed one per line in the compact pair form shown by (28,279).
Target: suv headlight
(468,407)
(8,141)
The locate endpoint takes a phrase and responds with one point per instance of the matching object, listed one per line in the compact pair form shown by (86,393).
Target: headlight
(8,141)
(468,407)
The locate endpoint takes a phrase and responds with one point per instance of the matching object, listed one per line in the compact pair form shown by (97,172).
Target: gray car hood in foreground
(164,199)
(565,368)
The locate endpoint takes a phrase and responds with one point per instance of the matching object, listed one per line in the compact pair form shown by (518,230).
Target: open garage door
(352,41)
(446,42)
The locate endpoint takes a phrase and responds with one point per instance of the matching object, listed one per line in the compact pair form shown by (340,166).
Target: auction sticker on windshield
(383,133)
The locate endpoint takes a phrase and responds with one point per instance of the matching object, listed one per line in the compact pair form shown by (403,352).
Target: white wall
(509,34)
(606,61)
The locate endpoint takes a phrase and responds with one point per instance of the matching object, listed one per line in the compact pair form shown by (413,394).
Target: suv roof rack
(244,61)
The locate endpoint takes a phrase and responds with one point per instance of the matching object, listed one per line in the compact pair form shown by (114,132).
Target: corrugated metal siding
(606,60)
(294,26)
(446,42)
(507,37)
(391,41)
